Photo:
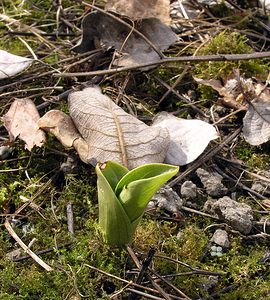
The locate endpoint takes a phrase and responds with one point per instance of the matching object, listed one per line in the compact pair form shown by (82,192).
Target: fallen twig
(70,221)
(204,158)
(25,248)
(21,258)
(143,269)
(159,288)
(218,57)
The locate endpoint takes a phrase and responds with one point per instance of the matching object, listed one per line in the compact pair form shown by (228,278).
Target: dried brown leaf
(102,31)
(21,121)
(109,133)
(60,125)
(230,92)
(141,9)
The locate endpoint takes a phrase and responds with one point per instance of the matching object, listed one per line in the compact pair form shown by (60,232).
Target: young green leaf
(123,196)
(137,187)
(115,225)
(113,172)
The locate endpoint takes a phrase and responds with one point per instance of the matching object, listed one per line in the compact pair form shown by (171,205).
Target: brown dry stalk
(25,248)
(217,57)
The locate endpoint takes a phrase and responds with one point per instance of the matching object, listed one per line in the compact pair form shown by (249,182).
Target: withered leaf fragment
(256,123)
(230,92)
(60,125)
(21,121)
(11,64)
(188,138)
(102,31)
(107,132)
(141,9)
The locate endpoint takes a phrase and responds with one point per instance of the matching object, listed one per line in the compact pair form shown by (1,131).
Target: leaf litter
(100,131)
(21,121)
(103,31)
(11,65)
(185,231)
(241,93)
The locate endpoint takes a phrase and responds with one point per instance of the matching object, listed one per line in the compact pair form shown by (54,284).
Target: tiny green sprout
(216,251)
(123,196)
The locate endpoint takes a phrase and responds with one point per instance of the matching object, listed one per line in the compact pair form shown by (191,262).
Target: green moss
(3,196)
(228,42)
(259,161)
(244,151)
(254,157)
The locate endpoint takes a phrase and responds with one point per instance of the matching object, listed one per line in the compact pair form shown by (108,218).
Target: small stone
(212,183)
(151,205)
(220,237)
(166,198)
(70,166)
(189,190)
(210,283)
(237,215)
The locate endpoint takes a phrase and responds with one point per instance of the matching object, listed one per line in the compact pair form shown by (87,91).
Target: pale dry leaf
(11,64)
(60,125)
(262,92)
(231,91)
(102,31)
(141,9)
(109,133)
(21,121)
(188,138)
(256,123)
(265,4)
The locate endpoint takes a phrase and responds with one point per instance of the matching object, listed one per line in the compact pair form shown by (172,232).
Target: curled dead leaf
(21,121)
(231,91)
(102,31)
(107,132)
(11,64)
(188,138)
(141,9)
(60,125)
(256,123)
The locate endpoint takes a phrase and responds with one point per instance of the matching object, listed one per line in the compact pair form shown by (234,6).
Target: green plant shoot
(123,196)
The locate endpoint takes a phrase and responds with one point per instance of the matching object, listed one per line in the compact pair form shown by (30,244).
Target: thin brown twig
(145,295)
(25,248)
(217,57)
(21,258)
(239,184)
(207,156)
(194,211)
(177,81)
(122,280)
(156,286)
(195,108)
(70,220)
(194,270)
